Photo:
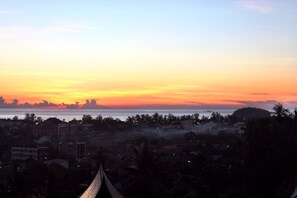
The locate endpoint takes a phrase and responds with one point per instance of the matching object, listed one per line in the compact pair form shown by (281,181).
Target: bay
(122,114)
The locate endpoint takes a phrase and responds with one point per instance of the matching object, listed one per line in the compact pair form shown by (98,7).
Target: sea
(122,114)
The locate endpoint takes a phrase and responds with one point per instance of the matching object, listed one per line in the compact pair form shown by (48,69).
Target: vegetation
(34,179)
(280,112)
(261,162)
(144,173)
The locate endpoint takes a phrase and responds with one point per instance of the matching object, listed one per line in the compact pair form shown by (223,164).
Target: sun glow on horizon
(149,53)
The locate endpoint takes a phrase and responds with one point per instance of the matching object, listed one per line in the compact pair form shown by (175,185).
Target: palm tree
(87,119)
(29,180)
(144,176)
(280,111)
(30,118)
(216,116)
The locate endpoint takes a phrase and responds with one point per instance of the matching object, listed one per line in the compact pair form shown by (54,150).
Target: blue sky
(243,46)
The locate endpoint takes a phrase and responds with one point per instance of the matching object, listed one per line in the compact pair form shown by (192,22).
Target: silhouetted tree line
(271,154)
(260,163)
(110,124)
(156,119)
(35,179)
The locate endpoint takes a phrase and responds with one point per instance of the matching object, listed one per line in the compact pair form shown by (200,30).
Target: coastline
(122,114)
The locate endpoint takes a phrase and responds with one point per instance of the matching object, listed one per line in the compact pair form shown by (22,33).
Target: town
(144,156)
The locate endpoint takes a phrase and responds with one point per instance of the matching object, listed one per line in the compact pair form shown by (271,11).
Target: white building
(27,149)
(24,152)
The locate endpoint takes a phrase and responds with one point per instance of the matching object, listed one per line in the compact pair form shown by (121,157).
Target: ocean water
(122,114)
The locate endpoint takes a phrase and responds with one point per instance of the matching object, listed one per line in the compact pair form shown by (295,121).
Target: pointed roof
(294,195)
(101,187)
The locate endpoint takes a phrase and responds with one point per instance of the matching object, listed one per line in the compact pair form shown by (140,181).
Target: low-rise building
(67,129)
(72,149)
(44,130)
(27,149)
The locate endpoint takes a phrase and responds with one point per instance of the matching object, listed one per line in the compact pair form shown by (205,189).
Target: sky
(155,53)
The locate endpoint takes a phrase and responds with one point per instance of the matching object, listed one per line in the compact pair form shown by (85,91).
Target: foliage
(34,179)
(144,174)
(280,112)
(271,157)
(87,119)
(259,163)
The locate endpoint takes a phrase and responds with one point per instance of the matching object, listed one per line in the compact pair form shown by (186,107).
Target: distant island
(251,113)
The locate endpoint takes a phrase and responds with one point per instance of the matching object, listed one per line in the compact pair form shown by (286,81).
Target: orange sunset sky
(132,53)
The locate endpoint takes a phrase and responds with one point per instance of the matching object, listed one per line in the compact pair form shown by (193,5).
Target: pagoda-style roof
(101,187)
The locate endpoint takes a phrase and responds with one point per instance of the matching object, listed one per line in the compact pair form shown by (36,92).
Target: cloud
(256,5)
(93,104)
(259,94)
(267,104)
(293,103)
(90,104)
(193,102)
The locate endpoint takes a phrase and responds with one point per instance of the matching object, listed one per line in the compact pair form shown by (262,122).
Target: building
(27,149)
(67,129)
(44,129)
(42,153)
(11,123)
(72,149)
(54,129)
(24,152)
(81,150)
(50,127)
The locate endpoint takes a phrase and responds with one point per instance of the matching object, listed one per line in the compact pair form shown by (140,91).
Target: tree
(280,111)
(87,118)
(215,116)
(39,120)
(270,158)
(130,121)
(145,175)
(99,118)
(29,180)
(157,118)
(171,118)
(30,117)
(195,118)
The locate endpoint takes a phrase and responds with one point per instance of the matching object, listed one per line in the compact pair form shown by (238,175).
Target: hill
(251,113)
